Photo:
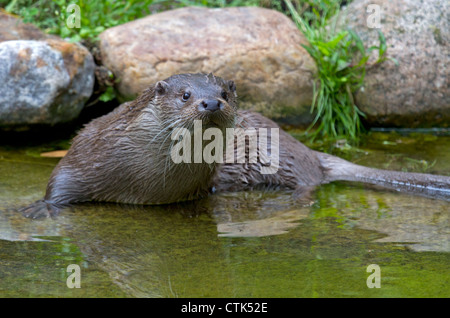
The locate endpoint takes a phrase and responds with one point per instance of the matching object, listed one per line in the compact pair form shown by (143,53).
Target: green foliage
(96,16)
(341,60)
(41,13)
(108,95)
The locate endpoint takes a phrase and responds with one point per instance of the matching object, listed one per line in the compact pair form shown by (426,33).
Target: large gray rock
(44,79)
(416,92)
(43,82)
(259,49)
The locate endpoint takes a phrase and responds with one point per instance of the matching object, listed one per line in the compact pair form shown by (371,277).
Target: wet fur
(124,157)
(302,169)
(299,166)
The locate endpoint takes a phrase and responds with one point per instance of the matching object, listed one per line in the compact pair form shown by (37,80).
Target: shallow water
(257,244)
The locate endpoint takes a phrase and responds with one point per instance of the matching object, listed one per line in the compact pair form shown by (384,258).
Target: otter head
(187,97)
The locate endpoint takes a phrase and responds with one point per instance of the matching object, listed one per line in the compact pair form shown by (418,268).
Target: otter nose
(211,105)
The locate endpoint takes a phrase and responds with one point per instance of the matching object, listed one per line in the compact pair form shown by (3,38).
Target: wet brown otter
(125,157)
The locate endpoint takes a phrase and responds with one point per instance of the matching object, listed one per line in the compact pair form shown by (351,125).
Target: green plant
(95,16)
(341,60)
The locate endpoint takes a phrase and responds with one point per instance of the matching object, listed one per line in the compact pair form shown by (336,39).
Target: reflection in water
(421,223)
(238,244)
(256,213)
(279,224)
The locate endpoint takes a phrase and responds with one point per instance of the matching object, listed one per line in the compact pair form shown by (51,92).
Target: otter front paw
(40,209)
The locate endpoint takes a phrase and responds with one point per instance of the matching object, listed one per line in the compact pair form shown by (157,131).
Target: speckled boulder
(259,49)
(43,82)
(44,79)
(416,92)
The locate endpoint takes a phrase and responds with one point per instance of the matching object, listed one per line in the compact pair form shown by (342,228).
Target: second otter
(124,156)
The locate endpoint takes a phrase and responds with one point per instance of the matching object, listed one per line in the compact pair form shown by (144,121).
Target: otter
(125,156)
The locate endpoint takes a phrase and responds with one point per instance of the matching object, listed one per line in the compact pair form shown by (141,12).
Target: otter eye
(224,95)
(186,96)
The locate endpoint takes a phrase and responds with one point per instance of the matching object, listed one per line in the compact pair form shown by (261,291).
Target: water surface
(250,244)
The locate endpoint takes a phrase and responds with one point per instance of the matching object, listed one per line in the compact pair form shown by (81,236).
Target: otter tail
(429,185)
(40,209)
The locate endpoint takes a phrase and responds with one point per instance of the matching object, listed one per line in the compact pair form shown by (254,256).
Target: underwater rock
(416,92)
(259,49)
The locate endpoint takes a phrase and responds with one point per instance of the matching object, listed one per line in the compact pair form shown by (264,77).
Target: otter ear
(161,88)
(232,87)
